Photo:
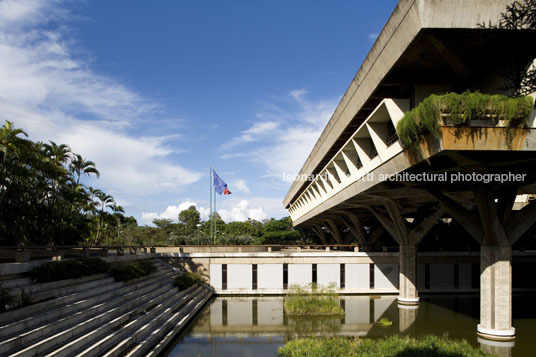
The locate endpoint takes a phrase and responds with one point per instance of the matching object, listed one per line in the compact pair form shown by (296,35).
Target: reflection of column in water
(496,348)
(224,312)
(407,314)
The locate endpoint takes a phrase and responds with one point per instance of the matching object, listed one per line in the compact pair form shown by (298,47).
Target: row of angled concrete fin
(101,317)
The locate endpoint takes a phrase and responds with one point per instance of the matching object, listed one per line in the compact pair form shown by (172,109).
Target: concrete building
(427,47)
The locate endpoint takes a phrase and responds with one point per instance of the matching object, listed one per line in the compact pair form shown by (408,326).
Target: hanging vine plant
(458,110)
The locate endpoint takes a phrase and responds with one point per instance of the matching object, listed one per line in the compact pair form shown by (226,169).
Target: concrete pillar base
(408,301)
(496,335)
(496,293)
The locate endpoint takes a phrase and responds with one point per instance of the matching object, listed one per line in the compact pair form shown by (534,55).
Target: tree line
(44,202)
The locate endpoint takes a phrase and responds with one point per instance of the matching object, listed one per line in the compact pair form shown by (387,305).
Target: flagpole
(214,218)
(210,189)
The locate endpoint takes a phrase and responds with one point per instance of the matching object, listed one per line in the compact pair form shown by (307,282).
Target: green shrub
(428,346)
(68,269)
(133,270)
(312,300)
(461,108)
(187,279)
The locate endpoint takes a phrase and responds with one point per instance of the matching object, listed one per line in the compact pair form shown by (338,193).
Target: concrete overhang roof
(434,41)
(458,151)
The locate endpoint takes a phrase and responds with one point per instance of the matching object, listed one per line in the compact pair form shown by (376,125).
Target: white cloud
(241,186)
(254,133)
(46,89)
(172,212)
(230,210)
(284,147)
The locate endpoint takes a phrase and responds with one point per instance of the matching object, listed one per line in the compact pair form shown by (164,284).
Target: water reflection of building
(264,316)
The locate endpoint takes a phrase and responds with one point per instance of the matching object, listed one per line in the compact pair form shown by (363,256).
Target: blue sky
(156,91)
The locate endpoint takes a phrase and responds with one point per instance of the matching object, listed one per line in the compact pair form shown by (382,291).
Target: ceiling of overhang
(452,56)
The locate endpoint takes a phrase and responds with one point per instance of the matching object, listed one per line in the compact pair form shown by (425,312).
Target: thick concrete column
(407,238)
(496,227)
(407,284)
(496,293)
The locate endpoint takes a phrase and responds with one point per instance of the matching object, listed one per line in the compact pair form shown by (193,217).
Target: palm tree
(8,143)
(117,213)
(105,201)
(8,136)
(79,166)
(58,154)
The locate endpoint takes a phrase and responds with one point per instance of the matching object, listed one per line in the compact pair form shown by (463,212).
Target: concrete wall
(441,270)
(269,276)
(300,274)
(328,274)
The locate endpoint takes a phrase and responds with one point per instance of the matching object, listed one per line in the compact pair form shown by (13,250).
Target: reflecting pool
(258,326)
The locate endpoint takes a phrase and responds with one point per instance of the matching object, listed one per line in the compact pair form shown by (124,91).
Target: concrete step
(117,313)
(119,337)
(177,319)
(72,304)
(36,289)
(99,336)
(59,320)
(87,290)
(177,328)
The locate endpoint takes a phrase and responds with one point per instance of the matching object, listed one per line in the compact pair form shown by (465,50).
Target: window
(314,274)
(254,276)
(371,276)
(342,276)
(456,276)
(427,276)
(224,277)
(285,276)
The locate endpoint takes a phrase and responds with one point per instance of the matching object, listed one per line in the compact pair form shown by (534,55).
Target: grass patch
(68,269)
(133,270)
(461,108)
(187,279)
(312,300)
(393,346)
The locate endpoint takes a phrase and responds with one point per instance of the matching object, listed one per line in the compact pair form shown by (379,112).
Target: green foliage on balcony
(459,109)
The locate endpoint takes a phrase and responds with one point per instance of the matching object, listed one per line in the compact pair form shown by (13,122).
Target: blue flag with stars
(219,185)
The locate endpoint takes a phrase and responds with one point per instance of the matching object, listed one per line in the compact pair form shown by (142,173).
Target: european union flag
(219,185)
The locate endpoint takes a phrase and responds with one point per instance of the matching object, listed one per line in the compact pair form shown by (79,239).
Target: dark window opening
(456,276)
(314,274)
(342,276)
(254,276)
(427,276)
(224,277)
(285,276)
(371,276)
